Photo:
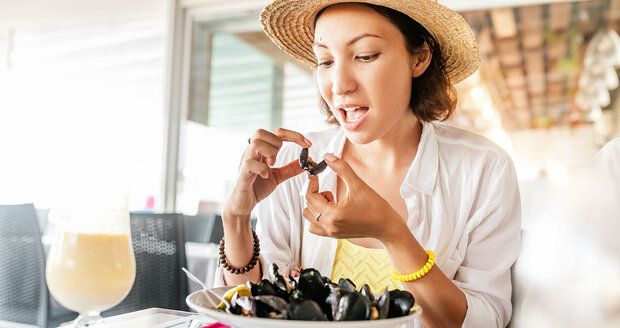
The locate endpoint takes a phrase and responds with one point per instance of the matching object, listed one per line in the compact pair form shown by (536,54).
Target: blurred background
(158,97)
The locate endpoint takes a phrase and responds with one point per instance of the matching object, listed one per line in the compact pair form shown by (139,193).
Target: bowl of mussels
(311,300)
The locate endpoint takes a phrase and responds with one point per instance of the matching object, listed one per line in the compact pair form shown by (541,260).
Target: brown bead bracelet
(224,261)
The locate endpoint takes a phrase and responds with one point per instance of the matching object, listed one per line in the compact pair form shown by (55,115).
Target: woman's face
(364,71)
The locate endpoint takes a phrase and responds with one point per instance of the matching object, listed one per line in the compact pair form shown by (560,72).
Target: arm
(480,294)
(257,180)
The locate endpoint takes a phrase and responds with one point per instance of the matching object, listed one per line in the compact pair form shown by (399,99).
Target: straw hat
(290,25)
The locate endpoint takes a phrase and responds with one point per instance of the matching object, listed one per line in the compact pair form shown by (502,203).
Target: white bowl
(202,302)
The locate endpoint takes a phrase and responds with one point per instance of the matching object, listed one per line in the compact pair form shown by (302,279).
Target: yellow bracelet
(418,274)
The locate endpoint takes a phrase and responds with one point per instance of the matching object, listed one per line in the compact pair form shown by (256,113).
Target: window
(82,103)
(238,82)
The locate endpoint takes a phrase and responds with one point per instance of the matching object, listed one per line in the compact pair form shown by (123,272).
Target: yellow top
(363,266)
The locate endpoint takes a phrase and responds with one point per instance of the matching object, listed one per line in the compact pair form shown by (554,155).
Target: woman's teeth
(353,115)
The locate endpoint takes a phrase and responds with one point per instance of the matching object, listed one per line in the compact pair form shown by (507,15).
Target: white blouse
(463,202)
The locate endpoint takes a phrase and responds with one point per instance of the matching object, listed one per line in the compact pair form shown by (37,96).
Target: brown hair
(433,98)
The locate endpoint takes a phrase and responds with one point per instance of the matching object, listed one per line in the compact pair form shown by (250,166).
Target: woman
(399,186)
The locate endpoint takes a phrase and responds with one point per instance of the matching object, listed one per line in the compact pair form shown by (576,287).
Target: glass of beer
(91,265)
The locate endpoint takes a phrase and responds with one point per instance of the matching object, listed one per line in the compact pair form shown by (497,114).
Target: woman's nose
(343,81)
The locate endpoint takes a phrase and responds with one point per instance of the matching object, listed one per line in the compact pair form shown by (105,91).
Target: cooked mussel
(266,306)
(401,302)
(311,285)
(353,306)
(309,165)
(347,284)
(264,287)
(305,310)
(278,281)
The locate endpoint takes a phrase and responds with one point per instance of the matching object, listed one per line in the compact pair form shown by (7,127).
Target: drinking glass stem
(89,319)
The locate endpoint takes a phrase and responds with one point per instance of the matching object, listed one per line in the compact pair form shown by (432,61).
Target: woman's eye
(326,63)
(368,58)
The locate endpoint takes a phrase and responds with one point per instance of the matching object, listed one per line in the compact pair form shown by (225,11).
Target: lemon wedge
(243,290)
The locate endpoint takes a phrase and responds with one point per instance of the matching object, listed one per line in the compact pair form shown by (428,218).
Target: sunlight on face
(363,71)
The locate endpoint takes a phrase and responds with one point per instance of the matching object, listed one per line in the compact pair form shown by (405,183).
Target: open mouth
(353,114)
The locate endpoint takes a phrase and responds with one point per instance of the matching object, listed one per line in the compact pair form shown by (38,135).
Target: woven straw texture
(290,24)
(363,266)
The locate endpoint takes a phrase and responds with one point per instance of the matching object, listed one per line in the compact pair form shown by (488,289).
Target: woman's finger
(317,230)
(296,137)
(287,171)
(264,135)
(263,151)
(344,170)
(313,197)
(329,196)
(253,167)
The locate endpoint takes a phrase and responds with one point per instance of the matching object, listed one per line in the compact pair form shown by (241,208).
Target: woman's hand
(257,179)
(361,212)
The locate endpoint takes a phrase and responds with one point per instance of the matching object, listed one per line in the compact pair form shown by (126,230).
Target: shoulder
(467,145)
(611,149)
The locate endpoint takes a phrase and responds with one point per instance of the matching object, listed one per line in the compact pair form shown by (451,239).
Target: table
(157,318)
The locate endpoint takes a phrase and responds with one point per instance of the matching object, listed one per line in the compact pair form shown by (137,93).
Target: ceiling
(532,58)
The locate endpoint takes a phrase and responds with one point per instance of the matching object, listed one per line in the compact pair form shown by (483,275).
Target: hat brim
(289,24)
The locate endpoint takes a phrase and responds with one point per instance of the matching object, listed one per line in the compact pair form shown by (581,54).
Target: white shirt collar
(422,173)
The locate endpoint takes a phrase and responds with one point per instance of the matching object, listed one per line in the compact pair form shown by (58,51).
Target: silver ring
(317,216)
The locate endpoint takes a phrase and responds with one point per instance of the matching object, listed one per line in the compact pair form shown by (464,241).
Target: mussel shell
(272,307)
(346,283)
(365,290)
(311,285)
(353,306)
(278,281)
(264,287)
(292,282)
(401,302)
(246,306)
(383,304)
(303,158)
(333,298)
(305,310)
(296,294)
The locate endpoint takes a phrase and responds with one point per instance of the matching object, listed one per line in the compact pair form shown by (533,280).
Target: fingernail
(330,157)
(308,143)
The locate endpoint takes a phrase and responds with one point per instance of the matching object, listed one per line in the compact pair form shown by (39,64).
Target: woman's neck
(391,152)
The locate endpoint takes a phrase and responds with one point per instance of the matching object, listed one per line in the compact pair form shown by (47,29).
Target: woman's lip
(350,126)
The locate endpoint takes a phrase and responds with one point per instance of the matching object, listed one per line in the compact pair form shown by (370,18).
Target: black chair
(198,228)
(159,246)
(23,292)
(207,228)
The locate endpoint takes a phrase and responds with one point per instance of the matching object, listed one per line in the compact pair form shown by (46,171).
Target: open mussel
(309,165)
(265,306)
(281,289)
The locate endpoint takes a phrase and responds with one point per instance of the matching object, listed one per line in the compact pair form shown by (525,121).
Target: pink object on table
(216,325)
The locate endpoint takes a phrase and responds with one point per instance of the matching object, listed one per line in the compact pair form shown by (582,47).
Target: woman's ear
(420,60)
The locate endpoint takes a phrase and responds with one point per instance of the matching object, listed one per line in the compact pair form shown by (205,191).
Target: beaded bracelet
(224,261)
(418,274)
